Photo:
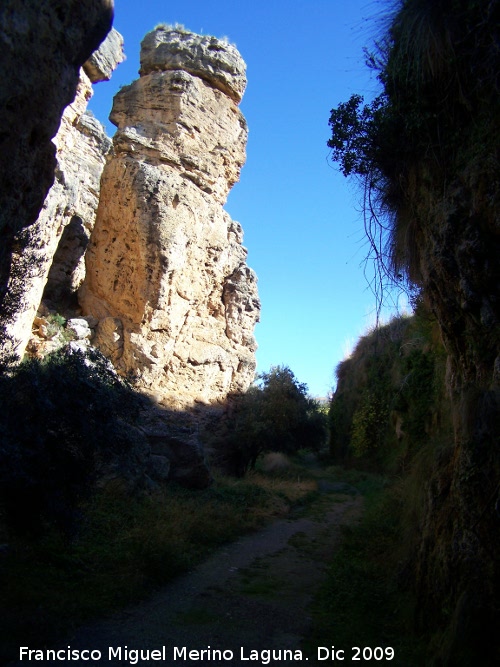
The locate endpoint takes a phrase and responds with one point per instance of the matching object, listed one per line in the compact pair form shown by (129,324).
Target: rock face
(445,235)
(102,63)
(51,257)
(74,196)
(42,47)
(166,273)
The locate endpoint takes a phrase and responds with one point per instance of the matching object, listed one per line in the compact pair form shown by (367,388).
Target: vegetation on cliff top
(433,128)
(391,396)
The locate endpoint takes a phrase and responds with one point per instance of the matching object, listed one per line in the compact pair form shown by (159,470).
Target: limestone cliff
(42,47)
(50,255)
(166,273)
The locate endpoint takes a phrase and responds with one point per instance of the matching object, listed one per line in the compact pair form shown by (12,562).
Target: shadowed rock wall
(42,47)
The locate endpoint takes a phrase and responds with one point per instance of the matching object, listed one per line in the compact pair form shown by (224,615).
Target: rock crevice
(48,256)
(42,46)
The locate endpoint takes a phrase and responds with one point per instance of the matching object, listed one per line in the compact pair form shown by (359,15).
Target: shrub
(368,425)
(390,395)
(63,419)
(433,126)
(276,415)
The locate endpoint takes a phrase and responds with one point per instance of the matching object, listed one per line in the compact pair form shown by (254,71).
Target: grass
(196,616)
(126,548)
(258,581)
(129,546)
(363,601)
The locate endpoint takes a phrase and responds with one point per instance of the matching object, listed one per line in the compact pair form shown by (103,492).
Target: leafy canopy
(276,414)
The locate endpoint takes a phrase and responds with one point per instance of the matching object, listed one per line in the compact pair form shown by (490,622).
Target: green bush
(390,396)
(63,420)
(368,425)
(276,415)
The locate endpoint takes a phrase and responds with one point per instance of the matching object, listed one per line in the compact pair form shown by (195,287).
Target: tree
(276,414)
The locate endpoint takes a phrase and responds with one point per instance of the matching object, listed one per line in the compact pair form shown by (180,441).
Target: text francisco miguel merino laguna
(135,656)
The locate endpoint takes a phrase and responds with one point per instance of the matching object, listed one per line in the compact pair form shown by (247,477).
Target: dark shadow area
(393,413)
(60,294)
(106,495)
(69,423)
(72,431)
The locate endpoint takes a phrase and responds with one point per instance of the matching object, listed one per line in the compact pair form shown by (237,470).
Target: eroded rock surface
(102,63)
(42,46)
(70,204)
(50,254)
(166,272)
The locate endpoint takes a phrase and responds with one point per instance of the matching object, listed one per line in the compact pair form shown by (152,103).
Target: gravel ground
(249,598)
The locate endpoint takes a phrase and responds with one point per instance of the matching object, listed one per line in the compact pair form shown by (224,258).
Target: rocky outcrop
(42,47)
(50,255)
(166,272)
(75,197)
(102,63)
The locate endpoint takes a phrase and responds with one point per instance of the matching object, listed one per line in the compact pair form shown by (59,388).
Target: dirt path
(252,595)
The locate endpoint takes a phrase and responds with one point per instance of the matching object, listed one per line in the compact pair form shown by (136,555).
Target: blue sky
(301,218)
